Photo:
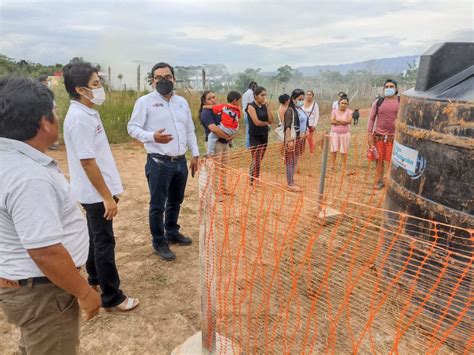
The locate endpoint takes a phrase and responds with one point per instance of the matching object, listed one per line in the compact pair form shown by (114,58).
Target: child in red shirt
(230,115)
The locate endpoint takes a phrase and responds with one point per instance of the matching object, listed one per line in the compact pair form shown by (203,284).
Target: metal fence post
(324,164)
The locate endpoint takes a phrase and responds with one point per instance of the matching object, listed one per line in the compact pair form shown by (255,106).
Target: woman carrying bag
(311,109)
(296,125)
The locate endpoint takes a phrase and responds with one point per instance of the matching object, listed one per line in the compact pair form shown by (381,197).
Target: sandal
(126,306)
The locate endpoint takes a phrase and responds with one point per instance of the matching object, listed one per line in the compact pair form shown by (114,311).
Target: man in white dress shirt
(163,122)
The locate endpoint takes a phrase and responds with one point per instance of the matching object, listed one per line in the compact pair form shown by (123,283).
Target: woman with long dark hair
(210,122)
(296,128)
(206,115)
(260,117)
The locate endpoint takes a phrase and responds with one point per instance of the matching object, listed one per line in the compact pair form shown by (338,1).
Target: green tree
(120,77)
(7,65)
(76,60)
(284,74)
(149,78)
(409,77)
(243,79)
(24,67)
(216,70)
(182,74)
(333,77)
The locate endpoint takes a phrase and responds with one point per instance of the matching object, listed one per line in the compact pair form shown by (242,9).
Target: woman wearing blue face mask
(296,129)
(381,129)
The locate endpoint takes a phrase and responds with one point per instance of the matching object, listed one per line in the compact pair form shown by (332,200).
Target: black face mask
(164,87)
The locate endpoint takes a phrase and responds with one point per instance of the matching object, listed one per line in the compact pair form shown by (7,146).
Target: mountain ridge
(394,65)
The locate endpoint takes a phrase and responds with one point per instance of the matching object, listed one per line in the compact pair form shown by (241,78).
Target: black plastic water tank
(432,170)
(432,177)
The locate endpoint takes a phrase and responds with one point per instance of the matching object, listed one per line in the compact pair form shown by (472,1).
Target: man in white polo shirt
(95,180)
(163,122)
(43,234)
(335,104)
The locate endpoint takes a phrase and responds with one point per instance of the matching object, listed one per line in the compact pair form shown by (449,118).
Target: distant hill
(375,66)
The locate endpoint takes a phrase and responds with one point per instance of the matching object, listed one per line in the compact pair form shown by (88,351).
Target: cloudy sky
(238,33)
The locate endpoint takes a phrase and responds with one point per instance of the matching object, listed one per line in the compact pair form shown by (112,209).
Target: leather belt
(5,283)
(41,280)
(167,157)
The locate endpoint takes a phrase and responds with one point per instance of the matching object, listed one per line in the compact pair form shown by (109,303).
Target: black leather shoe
(164,251)
(180,240)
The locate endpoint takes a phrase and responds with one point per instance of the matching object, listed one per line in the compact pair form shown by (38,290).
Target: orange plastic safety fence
(288,271)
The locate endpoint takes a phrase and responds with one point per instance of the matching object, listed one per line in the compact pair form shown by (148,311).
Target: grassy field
(118,107)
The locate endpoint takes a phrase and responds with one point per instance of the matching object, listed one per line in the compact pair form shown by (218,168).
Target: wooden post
(206,258)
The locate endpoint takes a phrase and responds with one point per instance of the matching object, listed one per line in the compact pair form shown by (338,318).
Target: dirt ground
(168,291)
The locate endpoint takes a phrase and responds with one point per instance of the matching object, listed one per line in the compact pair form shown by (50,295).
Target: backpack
(372,153)
(379,103)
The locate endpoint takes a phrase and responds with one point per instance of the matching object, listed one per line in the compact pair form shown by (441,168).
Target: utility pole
(138,79)
(203,79)
(109,79)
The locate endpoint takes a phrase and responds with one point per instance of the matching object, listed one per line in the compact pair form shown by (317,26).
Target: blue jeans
(167,183)
(247,136)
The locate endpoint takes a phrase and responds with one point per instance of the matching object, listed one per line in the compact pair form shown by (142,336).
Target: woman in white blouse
(311,109)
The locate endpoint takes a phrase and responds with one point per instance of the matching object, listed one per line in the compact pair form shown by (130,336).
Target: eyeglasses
(166,77)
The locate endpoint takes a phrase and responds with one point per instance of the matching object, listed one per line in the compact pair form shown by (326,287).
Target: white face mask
(98,96)
(390,92)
